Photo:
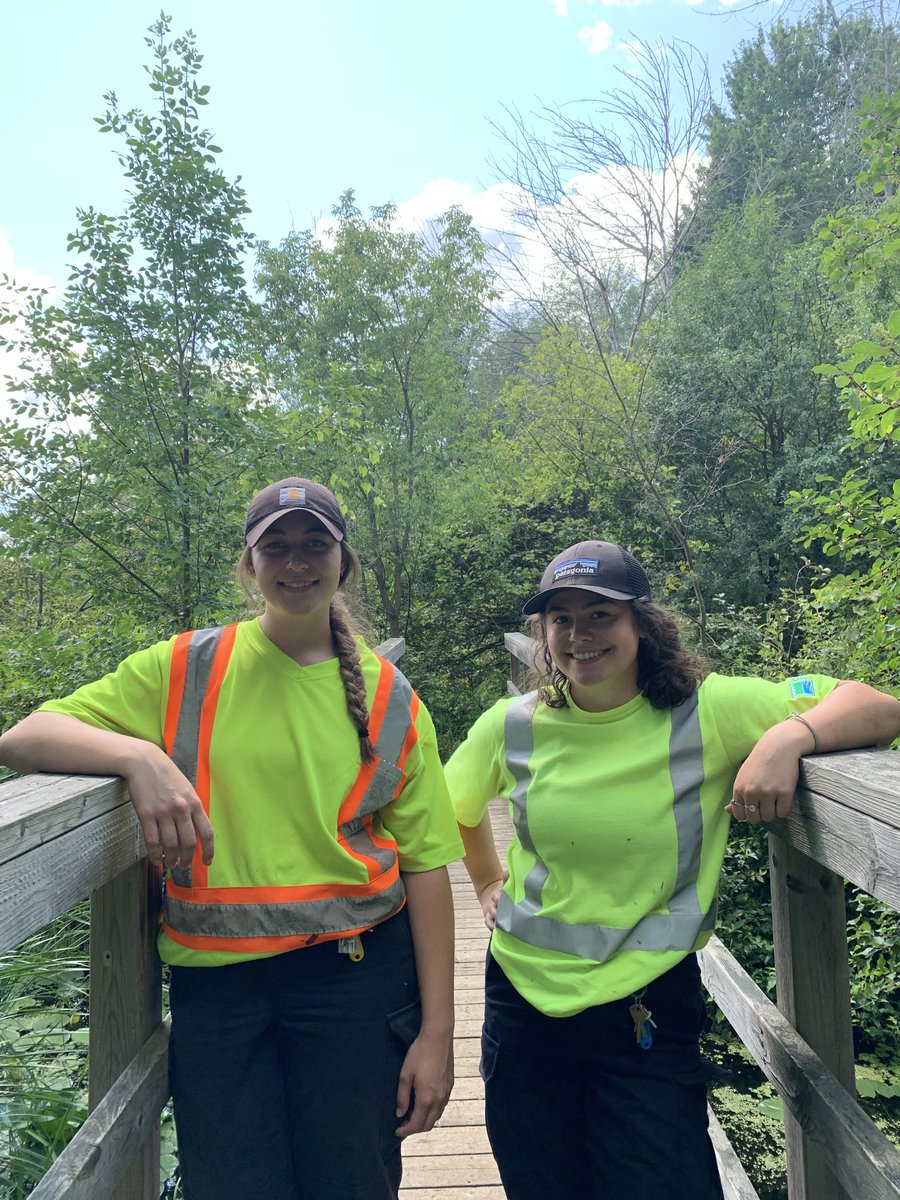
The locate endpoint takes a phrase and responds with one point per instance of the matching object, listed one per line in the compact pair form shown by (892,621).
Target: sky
(393,98)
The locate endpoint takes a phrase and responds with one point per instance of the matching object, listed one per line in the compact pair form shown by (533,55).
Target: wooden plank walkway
(454,1160)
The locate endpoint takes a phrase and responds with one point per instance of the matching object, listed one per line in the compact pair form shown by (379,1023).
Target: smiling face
(594,642)
(297,566)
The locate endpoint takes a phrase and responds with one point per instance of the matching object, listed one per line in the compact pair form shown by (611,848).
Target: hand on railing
(169,810)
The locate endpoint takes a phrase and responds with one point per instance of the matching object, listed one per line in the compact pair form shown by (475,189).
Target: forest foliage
(713,382)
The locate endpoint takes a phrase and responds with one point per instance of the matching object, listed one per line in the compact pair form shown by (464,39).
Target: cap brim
(539,602)
(256,531)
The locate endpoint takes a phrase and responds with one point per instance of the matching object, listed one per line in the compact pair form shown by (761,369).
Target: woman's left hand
(427,1080)
(767,780)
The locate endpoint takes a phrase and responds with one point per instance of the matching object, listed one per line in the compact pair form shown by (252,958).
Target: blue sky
(308,97)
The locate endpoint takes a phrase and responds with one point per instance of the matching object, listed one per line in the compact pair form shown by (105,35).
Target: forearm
(481,861)
(430,904)
(851,716)
(48,741)
(170,812)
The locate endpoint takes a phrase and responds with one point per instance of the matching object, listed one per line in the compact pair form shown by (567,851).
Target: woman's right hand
(489,898)
(169,810)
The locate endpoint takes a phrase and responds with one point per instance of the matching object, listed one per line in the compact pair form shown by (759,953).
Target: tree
(378,324)
(856,519)
(605,188)
(734,397)
(137,418)
(789,132)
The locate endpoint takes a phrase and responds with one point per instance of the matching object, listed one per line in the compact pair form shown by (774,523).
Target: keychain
(643,1022)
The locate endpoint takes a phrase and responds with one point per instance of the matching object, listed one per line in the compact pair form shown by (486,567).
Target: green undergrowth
(751,1112)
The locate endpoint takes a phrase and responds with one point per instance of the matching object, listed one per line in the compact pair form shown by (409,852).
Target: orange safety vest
(272,919)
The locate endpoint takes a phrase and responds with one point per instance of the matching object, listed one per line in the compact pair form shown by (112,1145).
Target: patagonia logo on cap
(576,566)
(802,685)
(292,495)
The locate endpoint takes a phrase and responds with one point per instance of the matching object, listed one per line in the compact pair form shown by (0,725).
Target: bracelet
(815,736)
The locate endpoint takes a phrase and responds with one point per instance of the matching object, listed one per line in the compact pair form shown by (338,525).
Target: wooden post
(126,1000)
(813,981)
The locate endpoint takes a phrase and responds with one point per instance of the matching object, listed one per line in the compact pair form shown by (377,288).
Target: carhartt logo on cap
(292,495)
(576,566)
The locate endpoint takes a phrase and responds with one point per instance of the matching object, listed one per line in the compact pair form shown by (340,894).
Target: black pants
(577,1110)
(284,1071)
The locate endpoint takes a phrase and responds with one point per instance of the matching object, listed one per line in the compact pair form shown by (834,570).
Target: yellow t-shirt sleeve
(476,771)
(129,700)
(421,818)
(744,707)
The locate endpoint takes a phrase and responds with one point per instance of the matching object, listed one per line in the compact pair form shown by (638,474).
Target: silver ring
(750,807)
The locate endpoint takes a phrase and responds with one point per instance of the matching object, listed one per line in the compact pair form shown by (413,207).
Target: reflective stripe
(200,650)
(312,919)
(207,918)
(679,928)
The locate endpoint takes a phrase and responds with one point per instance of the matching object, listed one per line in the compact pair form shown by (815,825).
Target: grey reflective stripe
(298,918)
(679,928)
(389,747)
(201,652)
(686,770)
(519,748)
(186,744)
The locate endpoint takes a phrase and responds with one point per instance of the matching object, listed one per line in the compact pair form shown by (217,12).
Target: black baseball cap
(291,495)
(601,567)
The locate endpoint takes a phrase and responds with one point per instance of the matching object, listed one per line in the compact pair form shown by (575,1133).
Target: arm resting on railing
(168,808)
(851,716)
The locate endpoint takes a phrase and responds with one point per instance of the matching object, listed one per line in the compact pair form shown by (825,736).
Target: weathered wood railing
(64,838)
(845,825)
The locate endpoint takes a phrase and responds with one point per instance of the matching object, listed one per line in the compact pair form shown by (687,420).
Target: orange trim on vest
(200,871)
(281,895)
(367,769)
(177,675)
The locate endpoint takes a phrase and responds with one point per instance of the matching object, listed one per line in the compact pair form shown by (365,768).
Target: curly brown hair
(667,672)
(346,622)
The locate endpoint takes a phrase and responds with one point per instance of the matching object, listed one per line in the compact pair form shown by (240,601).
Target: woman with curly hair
(622,771)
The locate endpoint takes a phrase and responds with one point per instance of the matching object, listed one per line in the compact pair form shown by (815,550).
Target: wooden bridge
(64,838)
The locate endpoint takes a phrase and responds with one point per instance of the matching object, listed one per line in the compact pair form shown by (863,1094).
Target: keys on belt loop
(352,946)
(643,1022)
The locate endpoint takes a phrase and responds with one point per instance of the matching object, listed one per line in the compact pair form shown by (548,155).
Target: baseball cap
(601,567)
(291,495)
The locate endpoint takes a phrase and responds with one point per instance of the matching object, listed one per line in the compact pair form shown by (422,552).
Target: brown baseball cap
(601,567)
(293,495)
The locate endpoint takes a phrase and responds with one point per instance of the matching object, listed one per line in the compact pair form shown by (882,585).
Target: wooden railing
(845,825)
(64,838)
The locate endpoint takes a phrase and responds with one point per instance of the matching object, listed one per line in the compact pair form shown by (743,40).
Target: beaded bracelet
(815,736)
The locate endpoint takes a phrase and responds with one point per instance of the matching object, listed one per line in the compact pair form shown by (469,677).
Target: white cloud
(591,216)
(633,50)
(561,6)
(597,37)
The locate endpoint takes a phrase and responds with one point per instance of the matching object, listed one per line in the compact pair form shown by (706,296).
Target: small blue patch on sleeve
(801,685)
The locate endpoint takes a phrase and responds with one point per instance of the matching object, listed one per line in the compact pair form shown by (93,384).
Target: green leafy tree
(734,395)
(379,324)
(856,519)
(789,129)
(136,420)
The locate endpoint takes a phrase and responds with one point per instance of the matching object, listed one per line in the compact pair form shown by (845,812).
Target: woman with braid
(310,946)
